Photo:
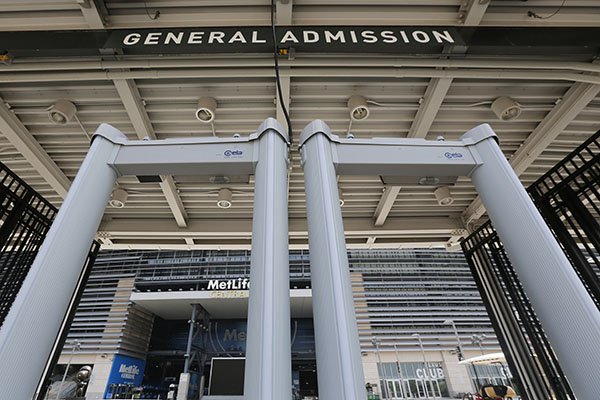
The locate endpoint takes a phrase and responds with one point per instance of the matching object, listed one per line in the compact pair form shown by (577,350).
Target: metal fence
(568,198)
(25,218)
(528,353)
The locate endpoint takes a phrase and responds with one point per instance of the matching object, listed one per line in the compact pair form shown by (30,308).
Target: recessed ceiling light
(506,108)
(205,112)
(358,108)
(62,112)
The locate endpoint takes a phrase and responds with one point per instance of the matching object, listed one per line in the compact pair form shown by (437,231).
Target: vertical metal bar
(339,366)
(268,371)
(31,327)
(584,218)
(188,350)
(569,316)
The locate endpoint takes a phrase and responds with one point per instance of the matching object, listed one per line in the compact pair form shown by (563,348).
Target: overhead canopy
(486,359)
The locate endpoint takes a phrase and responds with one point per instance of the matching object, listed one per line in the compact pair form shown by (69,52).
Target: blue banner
(125,371)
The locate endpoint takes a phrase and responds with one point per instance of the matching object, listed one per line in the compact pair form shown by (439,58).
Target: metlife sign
(309,39)
(125,370)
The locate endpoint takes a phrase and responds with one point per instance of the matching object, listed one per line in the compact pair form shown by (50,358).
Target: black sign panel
(400,40)
(322,39)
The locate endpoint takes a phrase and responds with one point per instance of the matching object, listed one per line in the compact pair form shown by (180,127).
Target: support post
(268,371)
(32,325)
(339,367)
(567,313)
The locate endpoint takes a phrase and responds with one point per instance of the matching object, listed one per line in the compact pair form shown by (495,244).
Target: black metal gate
(25,218)
(519,331)
(568,198)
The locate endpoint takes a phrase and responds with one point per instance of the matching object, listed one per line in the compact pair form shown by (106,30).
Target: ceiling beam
(553,124)
(94,12)
(395,227)
(130,96)
(388,197)
(472,12)
(283,12)
(430,105)
(18,135)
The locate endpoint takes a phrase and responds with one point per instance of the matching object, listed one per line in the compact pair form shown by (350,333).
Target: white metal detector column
(29,331)
(268,374)
(339,367)
(566,310)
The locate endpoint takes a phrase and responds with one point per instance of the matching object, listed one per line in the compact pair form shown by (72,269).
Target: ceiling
(421,96)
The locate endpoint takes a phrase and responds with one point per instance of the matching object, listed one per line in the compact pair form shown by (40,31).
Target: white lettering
(421,37)
(255,38)
(369,36)
(353,37)
(195,37)
(222,285)
(389,37)
(213,284)
(339,36)
(445,36)
(311,37)
(216,35)
(171,37)
(131,39)
(289,37)
(404,37)
(237,37)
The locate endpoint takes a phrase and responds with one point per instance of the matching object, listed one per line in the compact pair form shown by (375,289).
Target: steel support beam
(242,228)
(130,96)
(388,197)
(18,135)
(573,102)
(432,100)
(94,12)
(472,13)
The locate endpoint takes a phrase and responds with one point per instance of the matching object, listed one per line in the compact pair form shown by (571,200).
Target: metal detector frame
(567,312)
(29,331)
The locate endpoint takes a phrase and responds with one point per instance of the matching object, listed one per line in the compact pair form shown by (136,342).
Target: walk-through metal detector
(567,312)
(30,328)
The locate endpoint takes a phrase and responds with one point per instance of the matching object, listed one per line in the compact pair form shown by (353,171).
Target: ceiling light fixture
(443,196)
(224,199)
(506,108)
(62,112)
(205,112)
(118,198)
(358,107)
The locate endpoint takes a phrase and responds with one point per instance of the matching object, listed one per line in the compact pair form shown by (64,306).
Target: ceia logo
(129,371)
(233,153)
(453,156)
